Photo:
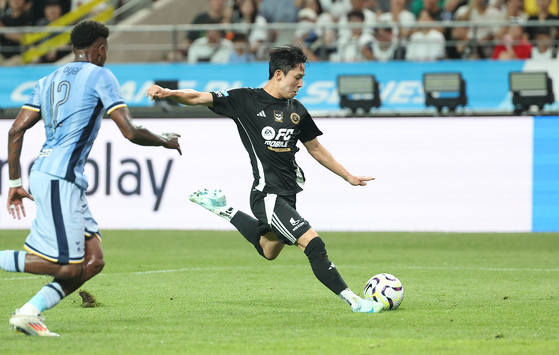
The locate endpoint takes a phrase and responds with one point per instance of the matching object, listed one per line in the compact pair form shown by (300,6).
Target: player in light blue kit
(65,240)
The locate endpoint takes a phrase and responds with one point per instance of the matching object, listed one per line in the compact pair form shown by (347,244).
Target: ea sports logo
(268,133)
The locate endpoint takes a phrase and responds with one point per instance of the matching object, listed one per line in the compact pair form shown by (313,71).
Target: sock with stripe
(49,296)
(12,260)
(248,226)
(324,270)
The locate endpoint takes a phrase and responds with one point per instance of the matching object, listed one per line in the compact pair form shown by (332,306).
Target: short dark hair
(286,58)
(356,13)
(85,33)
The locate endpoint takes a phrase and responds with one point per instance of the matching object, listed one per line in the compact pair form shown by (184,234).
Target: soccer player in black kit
(270,122)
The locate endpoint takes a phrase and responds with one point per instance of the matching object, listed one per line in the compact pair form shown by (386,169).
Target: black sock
(248,226)
(324,269)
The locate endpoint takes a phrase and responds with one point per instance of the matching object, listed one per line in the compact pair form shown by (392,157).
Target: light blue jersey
(72,101)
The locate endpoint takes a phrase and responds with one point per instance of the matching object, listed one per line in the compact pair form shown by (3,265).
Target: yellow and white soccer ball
(385,288)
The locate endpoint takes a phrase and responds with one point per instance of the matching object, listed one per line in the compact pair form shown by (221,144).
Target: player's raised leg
(266,244)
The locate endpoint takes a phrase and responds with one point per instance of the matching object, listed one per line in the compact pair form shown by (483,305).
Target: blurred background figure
(217,10)
(17,15)
(480,13)
(247,14)
(543,15)
(241,53)
(398,15)
(211,48)
(543,48)
(514,44)
(427,43)
(384,47)
(280,11)
(532,8)
(370,19)
(356,47)
(52,11)
(461,46)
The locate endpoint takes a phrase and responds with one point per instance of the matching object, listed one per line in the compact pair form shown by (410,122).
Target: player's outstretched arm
(25,120)
(323,156)
(140,135)
(185,97)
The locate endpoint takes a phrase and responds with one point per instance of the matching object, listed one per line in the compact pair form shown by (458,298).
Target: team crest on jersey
(278,116)
(295,118)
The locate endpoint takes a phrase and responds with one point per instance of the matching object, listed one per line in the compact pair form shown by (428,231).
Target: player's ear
(278,75)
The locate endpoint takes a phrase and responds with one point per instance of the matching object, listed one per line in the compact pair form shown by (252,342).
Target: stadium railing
(285,33)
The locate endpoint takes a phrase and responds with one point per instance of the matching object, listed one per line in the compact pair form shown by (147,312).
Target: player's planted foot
(30,325)
(213,201)
(367,306)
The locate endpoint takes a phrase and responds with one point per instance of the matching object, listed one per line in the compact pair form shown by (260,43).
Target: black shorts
(278,214)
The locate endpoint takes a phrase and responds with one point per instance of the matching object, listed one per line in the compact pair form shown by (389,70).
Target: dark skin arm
(27,119)
(24,120)
(141,136)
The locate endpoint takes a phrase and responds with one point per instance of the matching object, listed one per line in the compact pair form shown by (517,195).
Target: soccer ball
(385,288)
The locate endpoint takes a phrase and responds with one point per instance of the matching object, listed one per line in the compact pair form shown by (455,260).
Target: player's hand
(172,141)
(157,92)
(359,180)
(15,201)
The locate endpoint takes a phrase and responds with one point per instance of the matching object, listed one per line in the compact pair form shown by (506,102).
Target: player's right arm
(25,120)
(185,97)
(140,135)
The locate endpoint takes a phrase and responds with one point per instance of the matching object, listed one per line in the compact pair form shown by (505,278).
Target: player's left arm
(324,157)
(24,121)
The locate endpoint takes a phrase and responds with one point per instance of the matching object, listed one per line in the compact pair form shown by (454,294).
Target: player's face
(292,82)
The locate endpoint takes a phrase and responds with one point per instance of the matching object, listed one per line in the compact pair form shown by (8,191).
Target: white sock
(226,212)
(29,309)
(349,297)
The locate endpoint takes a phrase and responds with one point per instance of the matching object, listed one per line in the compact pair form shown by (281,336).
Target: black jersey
(269,129)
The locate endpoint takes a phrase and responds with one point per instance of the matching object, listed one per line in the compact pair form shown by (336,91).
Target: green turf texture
(208,292)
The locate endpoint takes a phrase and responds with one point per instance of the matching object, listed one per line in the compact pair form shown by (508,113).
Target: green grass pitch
(208,292)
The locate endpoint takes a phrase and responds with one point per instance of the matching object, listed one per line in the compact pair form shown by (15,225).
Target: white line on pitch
(291,266)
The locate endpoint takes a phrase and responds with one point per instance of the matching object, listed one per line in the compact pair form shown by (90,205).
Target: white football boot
(368,306)
(30,325)
(212,201)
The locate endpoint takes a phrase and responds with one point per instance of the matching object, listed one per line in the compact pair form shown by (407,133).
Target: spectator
(479,12)
(18,16)
(211,48)
(398,14)
(95,11)
(306,34)
(514,45)
(542,16)
(52,11)
(462,46)
(337,8)
(345,33)
(214,15)
(384,48)
(248,15)
(38,8)
(426,44)
(242,53)
(275,11)
(532,9)
(326,34)
(3,8)
(543,48)
(356,47)
(435,7)
(512,8)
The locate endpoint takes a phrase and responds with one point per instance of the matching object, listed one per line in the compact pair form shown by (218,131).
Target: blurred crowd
(19,13)
(337,30)
(367,30)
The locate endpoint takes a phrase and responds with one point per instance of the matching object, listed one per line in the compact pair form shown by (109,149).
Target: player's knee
(70,271)
(97,265)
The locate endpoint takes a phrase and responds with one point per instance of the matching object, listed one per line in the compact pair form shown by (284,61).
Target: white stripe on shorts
(284,231)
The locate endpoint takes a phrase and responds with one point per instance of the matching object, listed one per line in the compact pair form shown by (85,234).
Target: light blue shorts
(63,220)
